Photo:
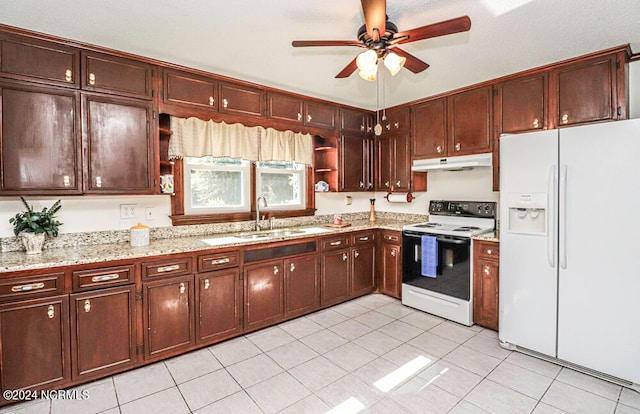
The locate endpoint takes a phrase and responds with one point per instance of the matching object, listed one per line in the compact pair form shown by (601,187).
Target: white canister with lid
(139,235)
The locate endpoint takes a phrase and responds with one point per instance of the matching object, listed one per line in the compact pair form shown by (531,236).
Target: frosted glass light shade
(367,61)
(394,63)
(370,76)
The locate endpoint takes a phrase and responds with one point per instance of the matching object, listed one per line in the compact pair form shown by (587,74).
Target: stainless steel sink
(285,233)
(254,236)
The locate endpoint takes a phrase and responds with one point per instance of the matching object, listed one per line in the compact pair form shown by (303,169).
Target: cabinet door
(117,75)
(353,121)
(34,339)
(391,270)
(120,149)
(40,141)
(218,304)
(286,108)
(470,122)
(183,88)
(301,285)
(429,122)
(168,315)
(40,61)
(587,92)
(353,162)
(521,104)
(103,331)
(362,270)
(335,277)
(401,163)
(241,100)
(397,120)
(264,294)
(485,294)
(319,115)
(384,152)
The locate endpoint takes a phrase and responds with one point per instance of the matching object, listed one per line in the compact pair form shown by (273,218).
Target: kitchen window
(282,184)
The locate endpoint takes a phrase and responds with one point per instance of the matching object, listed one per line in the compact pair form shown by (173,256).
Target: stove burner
(466,228)
(428,225)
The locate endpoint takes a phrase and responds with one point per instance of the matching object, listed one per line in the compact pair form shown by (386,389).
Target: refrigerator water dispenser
(527,213)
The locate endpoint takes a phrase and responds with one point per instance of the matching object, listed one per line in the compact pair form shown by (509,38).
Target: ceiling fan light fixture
(369,76)
(394,62)
(367,61)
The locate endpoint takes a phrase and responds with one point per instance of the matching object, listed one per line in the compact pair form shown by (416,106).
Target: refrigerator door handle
(551,226)
(563,217)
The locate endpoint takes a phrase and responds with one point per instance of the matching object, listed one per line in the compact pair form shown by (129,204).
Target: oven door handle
(440,239)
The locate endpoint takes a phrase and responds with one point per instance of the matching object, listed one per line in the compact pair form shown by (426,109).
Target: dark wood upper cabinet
(429,122)
(26,58)
(393,162)
(585,92)
(352,120)
(356,162)
(218,305)
(103,331)
(40,140)
(384,155)
(398,119)
(119,146)
(286,108)
(241,100)
(182,88)
(521,104)
(470,115)
(116,75)
(301,285)
(319,115)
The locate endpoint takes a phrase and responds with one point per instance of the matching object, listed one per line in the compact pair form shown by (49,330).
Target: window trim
(301,172)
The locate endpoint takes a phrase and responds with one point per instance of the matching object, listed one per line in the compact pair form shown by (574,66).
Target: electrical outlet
(149,213)
(128,211)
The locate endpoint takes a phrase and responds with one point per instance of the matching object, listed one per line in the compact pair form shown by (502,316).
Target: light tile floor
(343,358)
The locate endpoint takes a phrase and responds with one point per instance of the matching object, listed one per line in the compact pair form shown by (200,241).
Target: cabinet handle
(361,184)
(536,123)
(104,278)
(67,75)
(394,238)
(206,284)
(220,261)
(335,243)
(458,146)
(397,125)
(355,253)
(386,184)
(166,269)
(486,270)
(292,267)
(276,270)
(362,128)
(370,185)
(299,116)
(344,257)
(489,251)
(211,101)
(87,306)
(565,118)
(398,183)
(225,103)
(98,181)
(26,288)
(364,238)
(439,149)
(309,118)
(66,181)
(51,313)
(388,127)
(369,129)
(393,253)
(92,79)
(182,287)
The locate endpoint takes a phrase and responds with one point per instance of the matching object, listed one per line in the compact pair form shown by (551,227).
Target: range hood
(462,162)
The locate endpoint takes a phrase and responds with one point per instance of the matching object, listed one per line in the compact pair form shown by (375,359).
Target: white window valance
(193,137)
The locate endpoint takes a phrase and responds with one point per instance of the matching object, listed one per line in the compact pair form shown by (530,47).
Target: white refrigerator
(570,246)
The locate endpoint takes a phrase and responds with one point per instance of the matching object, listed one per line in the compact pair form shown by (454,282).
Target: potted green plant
(32,226)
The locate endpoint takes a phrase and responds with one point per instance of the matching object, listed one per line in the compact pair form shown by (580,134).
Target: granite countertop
(96,253)
(493,236)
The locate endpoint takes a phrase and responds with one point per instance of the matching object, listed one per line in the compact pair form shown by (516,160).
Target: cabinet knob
(439,149)
(92,79)
(388,127)
(369,129)
(536,123)
(489,251)
(87,306)
(211,101)
(386,184)
(206,284)
(182,288)
(565,118)
(68,75)
(393,253)
(309,118)
(486,270)
(225,103)
(355,253)
(361,184)
(51,313)
(292,267)
(370,185)
(299,116)
(276,270)
(66,181)
(398,184)
(362,128)
(98,182)
(397,125)
(458,146)
(344,257)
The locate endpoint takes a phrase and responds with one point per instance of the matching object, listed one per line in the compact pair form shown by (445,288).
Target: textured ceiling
(251,39)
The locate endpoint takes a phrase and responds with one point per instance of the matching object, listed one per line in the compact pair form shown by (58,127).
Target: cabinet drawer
(214,261)
(103,277)
(392,237)
(362,238)
(487,250)
(335,243)
(31,286)
(173,267)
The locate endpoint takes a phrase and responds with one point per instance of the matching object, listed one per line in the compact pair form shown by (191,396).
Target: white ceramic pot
(32,242)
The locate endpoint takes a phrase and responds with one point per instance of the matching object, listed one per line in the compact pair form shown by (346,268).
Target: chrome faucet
(264,201)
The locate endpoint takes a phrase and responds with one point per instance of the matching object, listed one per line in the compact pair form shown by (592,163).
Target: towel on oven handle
(429,247)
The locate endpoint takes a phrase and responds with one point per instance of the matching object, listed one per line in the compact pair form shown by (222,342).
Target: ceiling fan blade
(459,24)
(304,43)
(414,64)
(375,16)
(348,70)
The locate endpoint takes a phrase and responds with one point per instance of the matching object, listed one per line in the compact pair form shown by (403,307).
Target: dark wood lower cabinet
(168,315)
(362,269)
(335,277)
(302,285)
(486,283)
(35,343)
(390,272)
(218,305)
(103,331)
(263,294)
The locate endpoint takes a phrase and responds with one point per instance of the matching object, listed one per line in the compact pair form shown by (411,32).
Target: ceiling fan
(380,37)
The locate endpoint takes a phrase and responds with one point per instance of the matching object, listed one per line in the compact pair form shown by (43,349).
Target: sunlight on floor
(350,406)
(397,377)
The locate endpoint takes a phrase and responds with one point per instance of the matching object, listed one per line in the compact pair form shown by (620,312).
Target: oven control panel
(463,208)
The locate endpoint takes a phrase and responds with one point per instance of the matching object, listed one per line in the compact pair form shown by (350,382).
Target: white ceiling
(251,39)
